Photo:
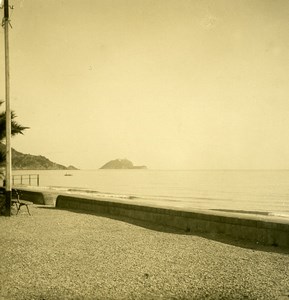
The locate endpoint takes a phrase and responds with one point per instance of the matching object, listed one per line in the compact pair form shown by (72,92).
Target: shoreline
(161,201)
(257,227)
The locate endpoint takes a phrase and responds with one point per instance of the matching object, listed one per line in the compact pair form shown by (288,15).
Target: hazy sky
(171,84)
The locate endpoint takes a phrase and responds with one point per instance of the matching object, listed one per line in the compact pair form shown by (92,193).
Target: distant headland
(121,164)
(21,161)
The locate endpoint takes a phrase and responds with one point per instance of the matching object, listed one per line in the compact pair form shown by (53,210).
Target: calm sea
(266,191)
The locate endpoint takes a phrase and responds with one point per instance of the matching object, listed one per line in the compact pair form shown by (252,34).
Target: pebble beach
(59,254)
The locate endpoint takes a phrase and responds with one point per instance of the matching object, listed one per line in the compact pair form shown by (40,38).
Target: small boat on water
(67,174)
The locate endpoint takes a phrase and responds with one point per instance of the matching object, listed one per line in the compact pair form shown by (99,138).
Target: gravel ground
(58,254)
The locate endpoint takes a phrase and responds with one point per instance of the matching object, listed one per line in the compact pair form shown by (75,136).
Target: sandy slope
(57,254)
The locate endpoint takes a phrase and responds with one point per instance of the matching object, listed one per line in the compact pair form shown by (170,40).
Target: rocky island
(121,164)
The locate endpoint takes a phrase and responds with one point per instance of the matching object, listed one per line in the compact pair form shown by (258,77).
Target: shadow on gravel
(215,237)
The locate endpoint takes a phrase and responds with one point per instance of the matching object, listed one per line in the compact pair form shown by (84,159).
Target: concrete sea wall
(254,228)
(35,197)
(38,197)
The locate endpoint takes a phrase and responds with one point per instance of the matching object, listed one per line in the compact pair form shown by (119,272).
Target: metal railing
(25,179)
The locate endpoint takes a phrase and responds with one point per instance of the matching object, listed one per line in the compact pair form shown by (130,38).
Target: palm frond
(16,128)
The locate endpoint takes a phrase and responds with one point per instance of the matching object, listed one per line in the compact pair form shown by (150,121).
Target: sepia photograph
(144,149)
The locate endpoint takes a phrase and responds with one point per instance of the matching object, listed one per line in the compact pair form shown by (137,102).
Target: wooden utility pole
(8,179)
